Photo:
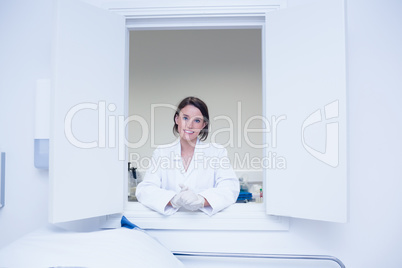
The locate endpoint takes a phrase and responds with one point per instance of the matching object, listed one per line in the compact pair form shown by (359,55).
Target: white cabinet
(304,73)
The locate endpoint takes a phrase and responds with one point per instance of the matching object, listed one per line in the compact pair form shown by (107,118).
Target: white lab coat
(209,174)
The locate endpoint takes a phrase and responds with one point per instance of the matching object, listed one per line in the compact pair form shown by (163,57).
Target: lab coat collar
(177,145)
(190,168)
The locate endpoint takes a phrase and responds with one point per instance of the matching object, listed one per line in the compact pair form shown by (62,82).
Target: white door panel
(306,84)
(86,176)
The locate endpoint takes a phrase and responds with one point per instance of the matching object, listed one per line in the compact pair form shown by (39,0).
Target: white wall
(25,41)
(373,236)
(222,67)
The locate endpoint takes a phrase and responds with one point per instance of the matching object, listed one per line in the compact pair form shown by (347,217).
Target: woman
(189,173)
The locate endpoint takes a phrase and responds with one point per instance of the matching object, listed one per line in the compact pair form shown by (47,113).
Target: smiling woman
(193,182)
(191,120)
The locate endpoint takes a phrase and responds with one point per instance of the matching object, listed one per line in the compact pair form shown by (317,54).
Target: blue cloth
(128,224)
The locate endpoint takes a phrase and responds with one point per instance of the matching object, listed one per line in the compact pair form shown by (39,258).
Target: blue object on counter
(243,196)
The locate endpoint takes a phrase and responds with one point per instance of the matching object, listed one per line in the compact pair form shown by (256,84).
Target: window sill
(239,216)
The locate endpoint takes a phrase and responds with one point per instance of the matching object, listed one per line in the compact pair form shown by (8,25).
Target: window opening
(223,67)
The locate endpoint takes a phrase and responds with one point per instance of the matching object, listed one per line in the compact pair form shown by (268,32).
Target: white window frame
(213,15)
(311,187)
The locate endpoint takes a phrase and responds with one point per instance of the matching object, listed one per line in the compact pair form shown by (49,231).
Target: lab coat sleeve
(226,188)
(149,191)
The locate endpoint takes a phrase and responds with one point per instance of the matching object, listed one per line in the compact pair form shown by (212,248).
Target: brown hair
(196,102)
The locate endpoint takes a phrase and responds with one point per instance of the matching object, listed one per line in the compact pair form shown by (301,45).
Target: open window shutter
(86,175)
(306,105)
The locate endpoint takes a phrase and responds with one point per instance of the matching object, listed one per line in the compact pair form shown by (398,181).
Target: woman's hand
(192,201)
(176,201)
(188,199)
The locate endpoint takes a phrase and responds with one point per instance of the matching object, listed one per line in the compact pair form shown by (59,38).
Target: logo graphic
(331,154)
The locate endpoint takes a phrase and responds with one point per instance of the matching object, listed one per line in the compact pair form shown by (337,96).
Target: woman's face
(190,122)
